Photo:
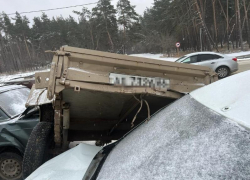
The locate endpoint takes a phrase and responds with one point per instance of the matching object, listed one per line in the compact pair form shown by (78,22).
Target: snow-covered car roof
(229,97)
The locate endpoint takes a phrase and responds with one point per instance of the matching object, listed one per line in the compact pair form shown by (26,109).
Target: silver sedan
(222,64)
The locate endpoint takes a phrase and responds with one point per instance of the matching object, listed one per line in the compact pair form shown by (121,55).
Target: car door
(208,60)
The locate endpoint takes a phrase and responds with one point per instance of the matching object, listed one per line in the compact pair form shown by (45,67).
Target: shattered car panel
(15,127)
(37,97)
(12,101)
(16,132)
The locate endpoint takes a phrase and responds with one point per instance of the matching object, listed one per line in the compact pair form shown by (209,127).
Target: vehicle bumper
(234,68)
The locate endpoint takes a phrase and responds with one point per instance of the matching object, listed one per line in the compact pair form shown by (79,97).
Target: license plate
(139,81)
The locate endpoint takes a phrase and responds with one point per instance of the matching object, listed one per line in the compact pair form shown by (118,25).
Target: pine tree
(126,16)
(105,21)
(41,32)
(86,28)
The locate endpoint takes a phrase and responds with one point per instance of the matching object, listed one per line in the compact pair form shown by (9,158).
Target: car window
(13,102)
(217,57)
(205,57)
(181,59)
(3,116)
(192,59)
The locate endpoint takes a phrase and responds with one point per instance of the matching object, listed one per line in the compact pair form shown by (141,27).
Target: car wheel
(36,152)
(11,166)
(222,72)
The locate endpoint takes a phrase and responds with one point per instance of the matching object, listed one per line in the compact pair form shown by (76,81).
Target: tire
(36,152)
(10,166)
(222,72)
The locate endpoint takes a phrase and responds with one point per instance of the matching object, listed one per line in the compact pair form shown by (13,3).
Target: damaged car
(195,137)
(16,124)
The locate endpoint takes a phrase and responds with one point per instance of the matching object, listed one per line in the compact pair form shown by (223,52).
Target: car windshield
(13,101)
(181,59)
(185,140)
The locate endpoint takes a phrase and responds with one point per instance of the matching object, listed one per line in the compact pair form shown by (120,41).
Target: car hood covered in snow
(229,97)
(188,140)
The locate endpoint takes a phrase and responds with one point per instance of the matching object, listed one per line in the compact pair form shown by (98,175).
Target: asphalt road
(244,66)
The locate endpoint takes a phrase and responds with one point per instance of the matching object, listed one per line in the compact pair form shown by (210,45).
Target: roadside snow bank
(155,56)
(239,54)
(5,77)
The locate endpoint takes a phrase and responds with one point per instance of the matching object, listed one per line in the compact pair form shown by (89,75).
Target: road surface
(243,66)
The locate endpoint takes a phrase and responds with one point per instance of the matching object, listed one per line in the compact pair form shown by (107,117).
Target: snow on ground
(6,77)
(155,56)
(172,59)
(239,53)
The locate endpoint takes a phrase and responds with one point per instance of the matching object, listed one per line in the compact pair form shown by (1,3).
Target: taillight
(235,59)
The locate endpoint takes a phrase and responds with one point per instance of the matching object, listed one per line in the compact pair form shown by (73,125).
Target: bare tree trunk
(227,21)
(97,42)
(110,40)
(204,26)
(124,36)
(27,48)
(227,27)
(239,24)
(236,24)
(92,38)
(14,59)
(109,36)
(247,22)
(215,24)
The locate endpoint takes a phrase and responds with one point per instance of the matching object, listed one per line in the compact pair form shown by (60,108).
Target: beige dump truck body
(100,96)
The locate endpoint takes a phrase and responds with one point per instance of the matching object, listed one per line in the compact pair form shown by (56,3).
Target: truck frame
(91,102)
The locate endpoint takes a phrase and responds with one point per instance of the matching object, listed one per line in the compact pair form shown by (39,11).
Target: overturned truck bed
(100,96)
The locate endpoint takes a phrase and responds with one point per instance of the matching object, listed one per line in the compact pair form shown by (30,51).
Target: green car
(16,124)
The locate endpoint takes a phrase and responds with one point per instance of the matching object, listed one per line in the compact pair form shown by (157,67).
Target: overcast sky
(11,6)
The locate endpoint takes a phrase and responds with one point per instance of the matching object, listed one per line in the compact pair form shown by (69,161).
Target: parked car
(195,137)
(222,64)
(16,124)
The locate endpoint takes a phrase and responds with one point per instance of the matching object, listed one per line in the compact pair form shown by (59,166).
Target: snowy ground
(4,77)
(240,53)
(160,56)
(155,56)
